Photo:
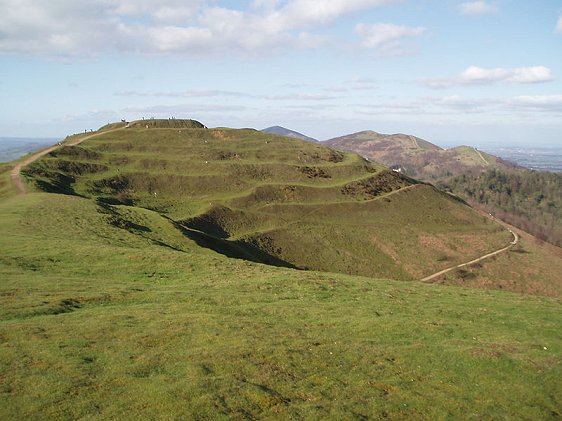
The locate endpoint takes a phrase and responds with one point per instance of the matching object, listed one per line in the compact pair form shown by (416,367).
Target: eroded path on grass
(479,259)
(482,156)
(15,174)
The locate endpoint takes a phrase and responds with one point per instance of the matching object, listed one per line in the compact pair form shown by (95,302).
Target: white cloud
(530,75)
(68,27)
(308,40)
(475,75)
(537,102)
(386,36)
(362,84)
(298,96)
(558,28)
(477,8)
(309,12)
(460,106)
(521,105)
(459,103)
(187,94)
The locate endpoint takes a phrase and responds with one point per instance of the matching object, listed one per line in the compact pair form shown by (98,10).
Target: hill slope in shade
(275,200)
(282,131)
(417,157)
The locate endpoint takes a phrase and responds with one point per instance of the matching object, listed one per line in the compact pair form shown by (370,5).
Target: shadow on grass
(58,183)
(519,251)
(235,249)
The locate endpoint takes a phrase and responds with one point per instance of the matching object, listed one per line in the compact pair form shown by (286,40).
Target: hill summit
(282,131)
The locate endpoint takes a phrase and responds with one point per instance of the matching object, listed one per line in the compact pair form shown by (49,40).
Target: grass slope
(532,267)
(272,199)
(109,312)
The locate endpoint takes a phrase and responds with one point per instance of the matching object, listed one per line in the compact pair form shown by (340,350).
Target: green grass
(113,314)
(6,188)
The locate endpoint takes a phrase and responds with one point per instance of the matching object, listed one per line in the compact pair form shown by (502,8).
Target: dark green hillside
(530,200)
(273,199)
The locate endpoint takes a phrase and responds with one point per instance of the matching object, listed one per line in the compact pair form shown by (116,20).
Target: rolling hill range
(272,199)
(120,299)
(416,157)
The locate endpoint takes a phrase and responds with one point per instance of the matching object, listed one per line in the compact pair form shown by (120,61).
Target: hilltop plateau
(133,285)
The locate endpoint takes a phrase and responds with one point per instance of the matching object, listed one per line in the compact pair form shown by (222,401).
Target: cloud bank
(68,27)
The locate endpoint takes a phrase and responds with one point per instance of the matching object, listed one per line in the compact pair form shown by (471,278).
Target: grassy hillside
(523,269)
(110,312)
(272,199)
(526,199)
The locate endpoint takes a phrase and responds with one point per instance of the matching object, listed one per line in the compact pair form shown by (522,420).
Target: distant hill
(417,157)
(282,131)
(13,147)
(128,285)
(484,180)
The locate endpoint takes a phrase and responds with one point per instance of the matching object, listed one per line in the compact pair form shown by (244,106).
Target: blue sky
(450,71)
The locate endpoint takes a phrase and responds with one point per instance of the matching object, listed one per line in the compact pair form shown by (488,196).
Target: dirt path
(415,142)
(482,156)
(479,259)
(15,174)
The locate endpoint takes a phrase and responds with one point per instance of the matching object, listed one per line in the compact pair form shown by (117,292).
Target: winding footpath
(15,174)
(482,157)
(479,259)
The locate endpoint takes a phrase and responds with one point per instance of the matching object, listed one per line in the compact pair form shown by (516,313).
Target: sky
(450,71)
